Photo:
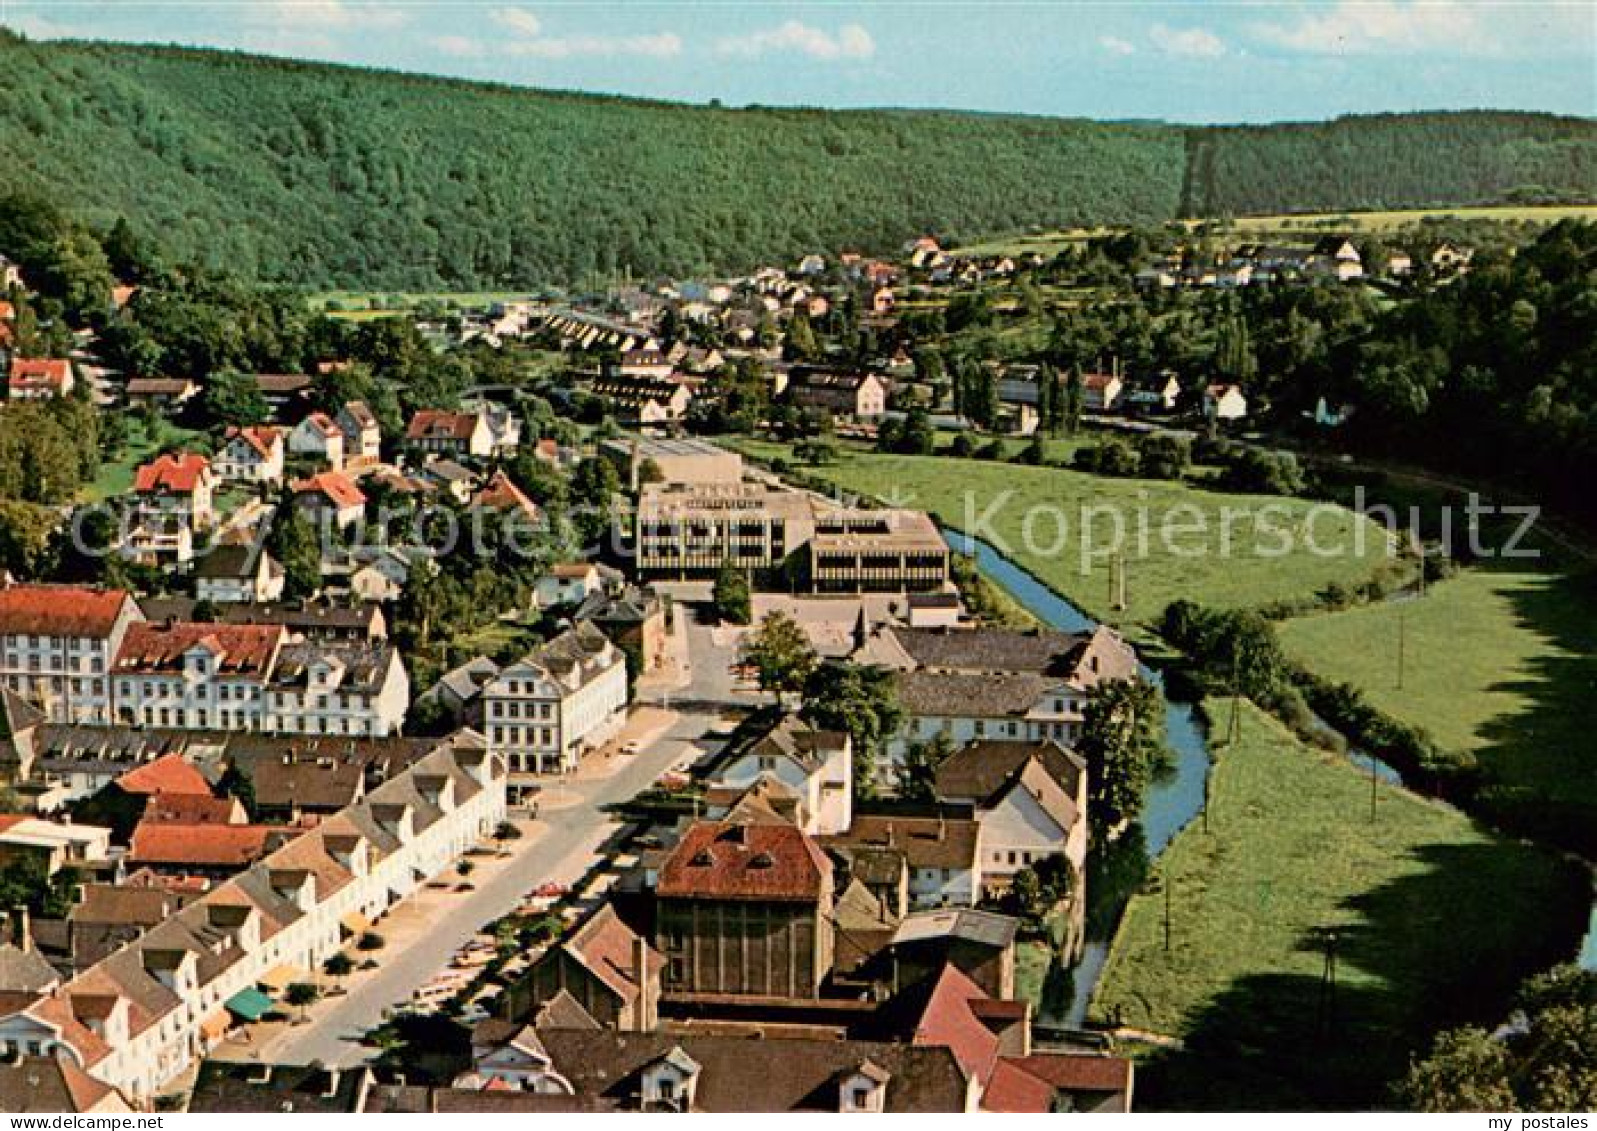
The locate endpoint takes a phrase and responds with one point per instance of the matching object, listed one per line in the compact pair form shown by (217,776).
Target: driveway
(560,847)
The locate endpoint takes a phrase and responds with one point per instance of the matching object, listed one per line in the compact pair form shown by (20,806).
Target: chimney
(942,829)
(644,1013)
(21,928)
(890,840)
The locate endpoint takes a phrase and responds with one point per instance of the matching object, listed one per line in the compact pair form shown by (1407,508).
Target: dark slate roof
(981,770)
(253,1088)
(970,695)
(743,1074)
(987,649)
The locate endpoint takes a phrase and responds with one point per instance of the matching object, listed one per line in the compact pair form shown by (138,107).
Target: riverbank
(1498,662)
(1435,921)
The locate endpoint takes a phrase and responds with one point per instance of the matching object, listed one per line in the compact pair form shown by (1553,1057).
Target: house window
(862,1097)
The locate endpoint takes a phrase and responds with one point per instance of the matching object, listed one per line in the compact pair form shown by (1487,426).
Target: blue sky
(1198,62)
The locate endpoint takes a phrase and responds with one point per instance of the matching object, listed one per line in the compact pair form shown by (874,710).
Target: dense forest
(328,176)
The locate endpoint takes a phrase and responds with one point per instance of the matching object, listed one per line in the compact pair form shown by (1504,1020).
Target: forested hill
(329,176)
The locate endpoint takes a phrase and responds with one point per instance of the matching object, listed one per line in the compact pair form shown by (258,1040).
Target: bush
(370,940)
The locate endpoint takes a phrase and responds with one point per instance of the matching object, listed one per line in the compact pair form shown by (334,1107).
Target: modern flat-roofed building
(693,531)
(892,551)
(678,461)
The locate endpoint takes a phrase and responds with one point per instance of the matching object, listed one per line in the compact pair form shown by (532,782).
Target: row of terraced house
(144,1014)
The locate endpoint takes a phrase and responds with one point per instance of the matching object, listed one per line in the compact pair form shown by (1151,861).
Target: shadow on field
(1428,951)
(1538,772)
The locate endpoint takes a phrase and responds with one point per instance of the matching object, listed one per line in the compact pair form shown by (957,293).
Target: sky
(1187,62)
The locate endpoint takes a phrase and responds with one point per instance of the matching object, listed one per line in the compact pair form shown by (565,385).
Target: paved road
(565,844)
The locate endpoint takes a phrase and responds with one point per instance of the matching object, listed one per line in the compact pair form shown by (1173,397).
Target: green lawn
(1435,919)
(116,478)
(1175,535)
(1499,661)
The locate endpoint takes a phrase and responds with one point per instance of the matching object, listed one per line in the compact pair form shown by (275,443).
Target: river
(1176,796)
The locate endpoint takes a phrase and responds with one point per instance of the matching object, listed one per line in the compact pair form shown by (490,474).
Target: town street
(559,847)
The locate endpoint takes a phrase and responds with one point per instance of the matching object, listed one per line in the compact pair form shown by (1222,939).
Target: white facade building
(816,766)
(57,645)
(257,678)
(543,711)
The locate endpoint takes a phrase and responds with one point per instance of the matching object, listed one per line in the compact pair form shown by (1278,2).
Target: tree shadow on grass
(1441,947)
(1539,764)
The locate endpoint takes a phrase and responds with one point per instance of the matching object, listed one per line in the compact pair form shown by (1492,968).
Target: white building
(967,684)
(238,573)
(250,455)
(172,502)
(1030,799)
(319,437)
(567,583)
(57,645)
(338,689)
(568,696)
(363,436)
(815,766)
(141,1017)
(257,677)
(1224,402)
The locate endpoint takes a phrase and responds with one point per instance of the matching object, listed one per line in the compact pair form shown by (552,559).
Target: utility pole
(1167,886)
(1374,779)
(1234,728)
(1402,642)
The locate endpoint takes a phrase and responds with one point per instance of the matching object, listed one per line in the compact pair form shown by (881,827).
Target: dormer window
(865,1089)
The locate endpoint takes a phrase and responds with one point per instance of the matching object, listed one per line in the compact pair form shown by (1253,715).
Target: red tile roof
(167,774)
(1013,1089)
(191,809)
(60,610)
(500,493)
(727,861)
(221,846)
(1078,1073)
(241,649)
(949,1020)
(260,438)
(335,486)
(34,373)
(432,424)
(174,473)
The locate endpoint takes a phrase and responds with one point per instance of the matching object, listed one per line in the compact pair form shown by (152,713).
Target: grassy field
(1388,221)
(357,305)
(1175,542)
(1435,921)
(1498,661)
(1051,243)
(116,478)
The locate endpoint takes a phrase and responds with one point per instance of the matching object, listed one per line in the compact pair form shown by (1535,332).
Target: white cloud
(1117,46)
(518,20)
(308,17)
(850,42)
(1366,27)
(1191,42)
(661,45)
